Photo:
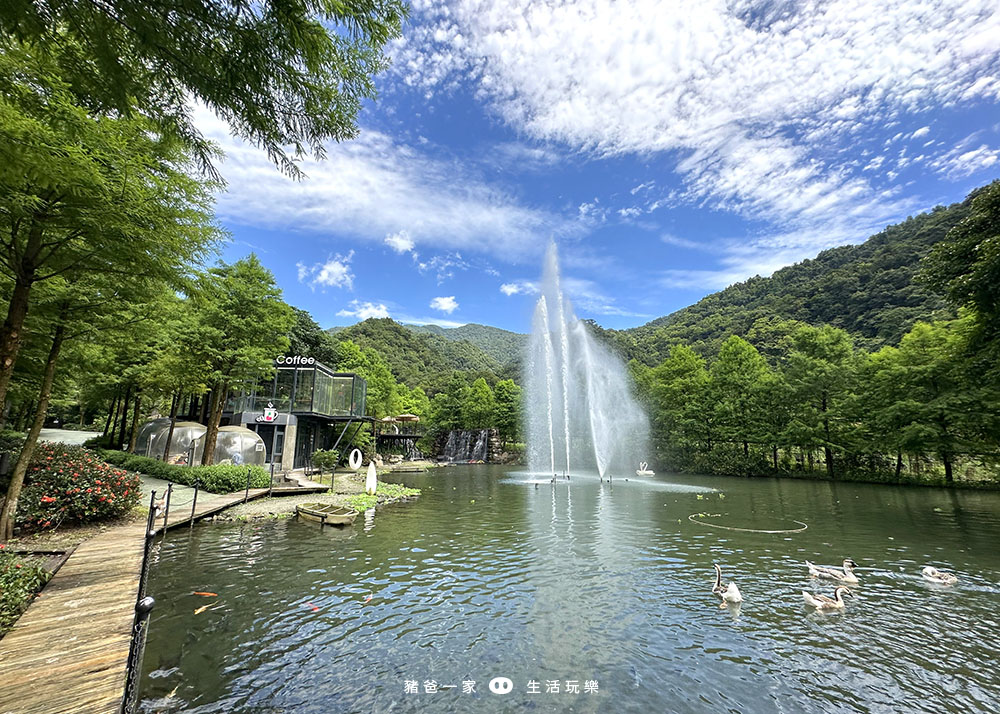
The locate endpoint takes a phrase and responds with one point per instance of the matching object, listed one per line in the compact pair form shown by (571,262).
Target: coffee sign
(269,415)
(294,360)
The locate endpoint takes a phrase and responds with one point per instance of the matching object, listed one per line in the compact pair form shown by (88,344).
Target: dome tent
(233,445)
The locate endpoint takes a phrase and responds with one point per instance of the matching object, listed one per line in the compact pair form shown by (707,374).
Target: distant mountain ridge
(419,358)
(504,346)
(869,289)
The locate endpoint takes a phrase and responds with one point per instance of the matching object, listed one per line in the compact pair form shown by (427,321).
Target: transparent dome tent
(153,437)
(234,445)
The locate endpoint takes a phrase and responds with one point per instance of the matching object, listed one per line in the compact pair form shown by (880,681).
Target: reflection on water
(487,576)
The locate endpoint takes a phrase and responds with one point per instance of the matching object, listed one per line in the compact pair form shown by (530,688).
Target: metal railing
(140,623)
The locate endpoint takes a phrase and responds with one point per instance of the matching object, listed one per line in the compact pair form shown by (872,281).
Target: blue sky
(669,148)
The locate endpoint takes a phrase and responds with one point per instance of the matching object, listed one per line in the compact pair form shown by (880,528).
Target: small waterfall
(464,445)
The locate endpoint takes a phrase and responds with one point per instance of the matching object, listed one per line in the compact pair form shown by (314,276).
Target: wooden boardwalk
(67,653)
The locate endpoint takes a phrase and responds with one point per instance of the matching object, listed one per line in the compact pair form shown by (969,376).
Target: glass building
(306,406)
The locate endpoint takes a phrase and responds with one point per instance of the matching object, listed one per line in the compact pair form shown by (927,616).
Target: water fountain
(581,413)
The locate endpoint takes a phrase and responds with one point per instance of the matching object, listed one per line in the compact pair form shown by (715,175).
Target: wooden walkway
(67,653)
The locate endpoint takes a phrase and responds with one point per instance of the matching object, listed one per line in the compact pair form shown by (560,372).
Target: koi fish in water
(205,594)
(312,607)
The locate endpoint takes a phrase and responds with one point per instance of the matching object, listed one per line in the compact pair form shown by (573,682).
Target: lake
(488,575)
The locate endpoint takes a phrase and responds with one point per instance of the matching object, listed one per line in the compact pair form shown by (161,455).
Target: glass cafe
(306,406)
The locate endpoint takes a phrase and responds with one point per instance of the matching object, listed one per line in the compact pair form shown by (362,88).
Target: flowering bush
(69,484)
(20,579)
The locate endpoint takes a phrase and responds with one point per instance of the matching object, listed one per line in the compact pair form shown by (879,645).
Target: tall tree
(241,323)
(282,73)
(479,406)
(820,373)
(508,410)
(84,195)
(736,377)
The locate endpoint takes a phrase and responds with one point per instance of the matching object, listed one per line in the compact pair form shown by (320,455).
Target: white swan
(938,576)
(824,602)
(845,576)
(729,594)
(643,471)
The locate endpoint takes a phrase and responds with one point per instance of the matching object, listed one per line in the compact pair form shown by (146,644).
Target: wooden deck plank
(67,653)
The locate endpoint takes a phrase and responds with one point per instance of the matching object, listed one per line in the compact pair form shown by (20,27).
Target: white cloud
(922,131)
(440,322)
(630,212)
(520,287)
(374,188)
(759,102)
(963,160)
(335,272)
(400,242)
(682,242)
(445,304)
(364,310)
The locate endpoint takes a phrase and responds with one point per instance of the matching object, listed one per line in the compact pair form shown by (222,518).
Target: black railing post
(194,503)
(140,622)
(166,506)
(246,494)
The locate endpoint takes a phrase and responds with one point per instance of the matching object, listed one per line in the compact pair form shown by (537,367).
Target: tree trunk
(746,450)
(9,511)
(135,424)
(949,477)
(774,456)
(899,465)
(174,402)
(216,405)
(111,413)
(811,461)
(120,443)
(24,268)
(828,455)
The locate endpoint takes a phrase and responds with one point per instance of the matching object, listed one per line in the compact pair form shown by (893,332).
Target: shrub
(325,460)
(11,441)
(70,484)
(20,579)
(220,478)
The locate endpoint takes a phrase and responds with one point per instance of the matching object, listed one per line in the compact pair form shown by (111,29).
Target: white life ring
(354,460)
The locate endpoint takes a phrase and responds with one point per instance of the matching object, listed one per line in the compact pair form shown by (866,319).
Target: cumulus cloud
(520,287)
(761,104)
(445,304)
(335,272)
(380,189)
(364,310)
(400,242)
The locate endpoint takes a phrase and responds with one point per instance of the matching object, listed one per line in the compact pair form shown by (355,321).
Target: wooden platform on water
(67,653)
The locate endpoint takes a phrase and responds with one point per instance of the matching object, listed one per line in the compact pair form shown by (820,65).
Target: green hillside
(868,290)
(416,359)
(502,345)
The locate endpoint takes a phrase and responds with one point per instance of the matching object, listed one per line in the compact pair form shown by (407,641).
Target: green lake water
(487,575)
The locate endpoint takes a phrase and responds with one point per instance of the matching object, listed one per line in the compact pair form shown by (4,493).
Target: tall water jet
(578,396)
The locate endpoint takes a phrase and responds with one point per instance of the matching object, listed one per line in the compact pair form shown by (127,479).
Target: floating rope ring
(695,516)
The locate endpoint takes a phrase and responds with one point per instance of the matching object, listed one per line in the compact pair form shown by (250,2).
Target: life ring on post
(354,460)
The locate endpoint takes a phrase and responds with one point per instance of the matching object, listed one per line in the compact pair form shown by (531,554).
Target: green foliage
(20,579)
(325,460)
(11,441)
(915,408)
(419,360)
(505,347)
(69,484)
(478,407)
(287,75)
(219,478)
(868,290)
(361,502)
(507,417)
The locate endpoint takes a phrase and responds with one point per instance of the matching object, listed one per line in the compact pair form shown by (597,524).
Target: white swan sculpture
(643,471)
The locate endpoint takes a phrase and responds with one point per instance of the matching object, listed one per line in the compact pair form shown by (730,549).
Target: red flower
(47,499)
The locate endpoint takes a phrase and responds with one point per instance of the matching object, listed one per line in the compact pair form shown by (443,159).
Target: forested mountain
(423,360)
(502,345)
(869,290)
